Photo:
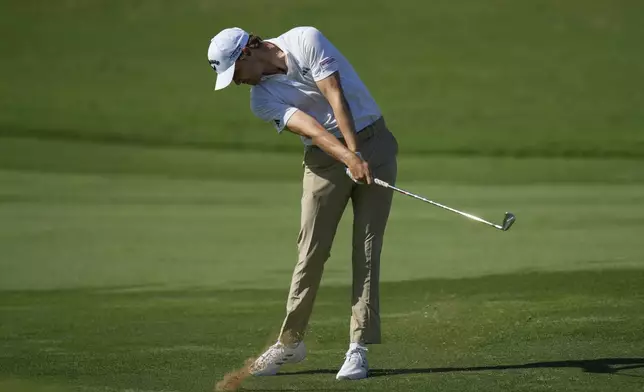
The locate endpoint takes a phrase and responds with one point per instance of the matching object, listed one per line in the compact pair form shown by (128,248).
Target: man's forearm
(305,125)
(344,118)
(331,88)
(332,146)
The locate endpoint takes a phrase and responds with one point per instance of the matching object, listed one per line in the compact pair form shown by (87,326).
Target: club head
(508,220)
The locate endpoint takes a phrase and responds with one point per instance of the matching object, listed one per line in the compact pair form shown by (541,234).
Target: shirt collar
(289,60)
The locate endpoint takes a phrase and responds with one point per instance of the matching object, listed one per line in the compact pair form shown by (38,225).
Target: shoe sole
(356,377)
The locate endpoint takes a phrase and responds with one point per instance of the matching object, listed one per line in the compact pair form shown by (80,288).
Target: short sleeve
(320,54)
(271,110)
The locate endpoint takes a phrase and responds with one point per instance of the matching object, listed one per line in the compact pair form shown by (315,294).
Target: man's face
(248,69)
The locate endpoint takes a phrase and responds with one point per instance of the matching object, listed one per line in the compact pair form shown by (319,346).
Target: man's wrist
(353,158)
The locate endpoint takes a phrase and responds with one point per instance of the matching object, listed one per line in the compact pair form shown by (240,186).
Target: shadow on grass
(601,365)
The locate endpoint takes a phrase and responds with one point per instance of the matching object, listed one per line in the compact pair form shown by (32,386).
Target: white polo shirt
(310,57)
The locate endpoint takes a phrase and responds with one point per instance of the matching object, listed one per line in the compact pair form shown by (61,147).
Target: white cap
(225,48)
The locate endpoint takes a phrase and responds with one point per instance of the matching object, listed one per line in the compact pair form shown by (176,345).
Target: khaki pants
(326,192)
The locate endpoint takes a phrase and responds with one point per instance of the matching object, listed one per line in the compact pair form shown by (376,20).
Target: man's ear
(246,51)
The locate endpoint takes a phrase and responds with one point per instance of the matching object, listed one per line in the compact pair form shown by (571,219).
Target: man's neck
(275,60)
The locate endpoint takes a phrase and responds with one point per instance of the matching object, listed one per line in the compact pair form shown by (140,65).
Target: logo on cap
(235,53)
(213,64)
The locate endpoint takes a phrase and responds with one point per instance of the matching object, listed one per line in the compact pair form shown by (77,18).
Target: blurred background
(481,93)
(496,78)
(108,105)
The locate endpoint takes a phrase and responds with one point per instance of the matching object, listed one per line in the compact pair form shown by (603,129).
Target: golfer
(302,83)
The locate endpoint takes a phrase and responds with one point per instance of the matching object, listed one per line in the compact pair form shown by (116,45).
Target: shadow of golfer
(600,365)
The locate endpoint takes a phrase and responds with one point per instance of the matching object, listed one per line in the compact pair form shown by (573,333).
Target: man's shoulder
(260,94)
(257,92)
(259,98)
(300,30)
(298,35)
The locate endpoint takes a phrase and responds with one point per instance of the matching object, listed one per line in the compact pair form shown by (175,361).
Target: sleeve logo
(327,61)
(277,123)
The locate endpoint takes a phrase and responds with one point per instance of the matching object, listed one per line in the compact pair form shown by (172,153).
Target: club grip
(351,176)
(381,182)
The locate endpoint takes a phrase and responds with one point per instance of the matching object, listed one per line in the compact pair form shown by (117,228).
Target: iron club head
(508,220)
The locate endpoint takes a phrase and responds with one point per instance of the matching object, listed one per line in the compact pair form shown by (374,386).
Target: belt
(371,129)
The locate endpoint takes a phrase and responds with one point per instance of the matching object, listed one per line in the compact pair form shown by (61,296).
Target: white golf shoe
(269,363)
(355,365)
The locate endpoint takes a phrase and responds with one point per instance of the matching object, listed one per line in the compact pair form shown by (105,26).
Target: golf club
(508,219)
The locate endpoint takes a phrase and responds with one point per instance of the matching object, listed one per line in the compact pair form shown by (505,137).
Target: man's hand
(359,170)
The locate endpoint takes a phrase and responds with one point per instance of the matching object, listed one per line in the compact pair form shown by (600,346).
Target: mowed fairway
(144,282)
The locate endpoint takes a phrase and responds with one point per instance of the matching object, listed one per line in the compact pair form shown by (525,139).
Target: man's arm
(331,88)
(305,125)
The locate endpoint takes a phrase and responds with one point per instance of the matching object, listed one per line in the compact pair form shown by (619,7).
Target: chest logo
(305,71)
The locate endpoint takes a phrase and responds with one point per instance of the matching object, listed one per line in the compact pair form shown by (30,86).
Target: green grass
(131,268)
(200,224)
(513,78)
(185,162)
(521,332)
(148,224)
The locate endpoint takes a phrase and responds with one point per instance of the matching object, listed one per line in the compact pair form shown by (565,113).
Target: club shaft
(465,214)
